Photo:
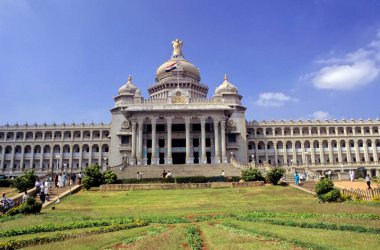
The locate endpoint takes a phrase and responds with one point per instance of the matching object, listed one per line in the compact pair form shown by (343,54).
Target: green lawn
(225,222)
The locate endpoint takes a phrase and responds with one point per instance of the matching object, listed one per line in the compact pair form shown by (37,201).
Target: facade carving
(178,124)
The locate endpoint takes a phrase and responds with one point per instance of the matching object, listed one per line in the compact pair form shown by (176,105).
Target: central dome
(175,73)
(177,65)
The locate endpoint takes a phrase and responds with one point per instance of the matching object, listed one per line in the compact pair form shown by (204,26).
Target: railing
(366,195)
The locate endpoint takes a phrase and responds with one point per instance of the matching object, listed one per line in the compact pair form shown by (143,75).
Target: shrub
(109,177)
(324,186)
(28,207)
(251,174)
(332,195)
(24,182)
(192,179)
(92,177)
(5,183)
(274,175)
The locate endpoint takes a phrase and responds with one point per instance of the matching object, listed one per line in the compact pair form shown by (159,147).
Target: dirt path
(354,185)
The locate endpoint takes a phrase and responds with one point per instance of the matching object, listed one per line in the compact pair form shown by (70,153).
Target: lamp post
(253,160)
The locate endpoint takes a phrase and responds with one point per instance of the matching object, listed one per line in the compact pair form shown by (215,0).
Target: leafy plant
(28,207)
(324,186)
(24,182)
(109,177)
(251,174)
(332,195)
(193,237)
(92,177)
(274,175)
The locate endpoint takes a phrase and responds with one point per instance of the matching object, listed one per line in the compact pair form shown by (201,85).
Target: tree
(326,191)
(274,175)
(25,182)
(92,177)
(109,177)
(251,174)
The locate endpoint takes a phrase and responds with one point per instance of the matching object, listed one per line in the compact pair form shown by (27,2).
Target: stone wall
(159,186)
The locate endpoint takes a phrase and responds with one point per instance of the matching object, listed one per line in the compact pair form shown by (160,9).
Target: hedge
(5,183)
(181,179)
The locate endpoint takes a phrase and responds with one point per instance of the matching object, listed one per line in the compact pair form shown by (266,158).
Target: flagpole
(177,74)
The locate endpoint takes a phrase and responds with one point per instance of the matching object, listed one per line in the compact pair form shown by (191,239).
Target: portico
(177,139)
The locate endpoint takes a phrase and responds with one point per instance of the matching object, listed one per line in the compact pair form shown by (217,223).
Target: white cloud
(274,99)
(350,71)
(346,77)
(320,115)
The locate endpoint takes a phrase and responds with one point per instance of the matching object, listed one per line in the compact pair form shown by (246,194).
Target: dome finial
(177,47)
(129,78)
(225,77)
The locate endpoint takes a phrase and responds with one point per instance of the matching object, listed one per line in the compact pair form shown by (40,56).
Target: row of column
(330,152)
(51,159)
(309,132)
(137,147)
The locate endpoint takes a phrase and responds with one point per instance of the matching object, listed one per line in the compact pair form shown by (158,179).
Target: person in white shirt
(368,181)
(169,175)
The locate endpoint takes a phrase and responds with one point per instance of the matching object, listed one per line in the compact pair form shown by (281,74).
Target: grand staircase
(178,170)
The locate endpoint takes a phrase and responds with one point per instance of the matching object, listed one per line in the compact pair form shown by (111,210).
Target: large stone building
(179,124)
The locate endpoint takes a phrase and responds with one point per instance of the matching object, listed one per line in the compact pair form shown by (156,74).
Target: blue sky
(63,61)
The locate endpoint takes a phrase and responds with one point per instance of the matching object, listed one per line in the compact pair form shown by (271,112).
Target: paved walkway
(354,185)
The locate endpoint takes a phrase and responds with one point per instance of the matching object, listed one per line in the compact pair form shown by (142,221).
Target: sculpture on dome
(177,47)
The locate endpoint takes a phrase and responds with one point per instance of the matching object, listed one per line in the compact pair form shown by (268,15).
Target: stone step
(179,170)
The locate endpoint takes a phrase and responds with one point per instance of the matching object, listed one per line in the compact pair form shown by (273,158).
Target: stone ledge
(158,186)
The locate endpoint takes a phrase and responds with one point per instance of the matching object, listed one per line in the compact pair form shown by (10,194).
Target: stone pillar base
(154,161)
(189,161)
(145,161)
(169,161)
(132,161)
(139,161)
(224,160)
(216,160)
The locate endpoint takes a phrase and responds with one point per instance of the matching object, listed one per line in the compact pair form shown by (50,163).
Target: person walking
(297,178)
(368,181)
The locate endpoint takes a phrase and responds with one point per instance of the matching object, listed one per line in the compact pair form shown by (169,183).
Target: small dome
(128,88)
(226,87)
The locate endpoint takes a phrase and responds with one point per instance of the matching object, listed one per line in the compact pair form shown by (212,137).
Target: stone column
(140,144)
(169,158)
(357,152)
(285,152)
(42,158)
(2,159)
(187,126)
(31,158)
(203,139)
(321,152)
(51,157)
(133,153)
(348,151)
(223,141)
(294,153)
(216,135)
(312,152)
(366,155)
(374,151)
(331,152)
(340,159)
(153,158)
(275,153)
(22,158)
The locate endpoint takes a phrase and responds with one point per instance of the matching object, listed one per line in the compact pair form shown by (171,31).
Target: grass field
(269,217)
